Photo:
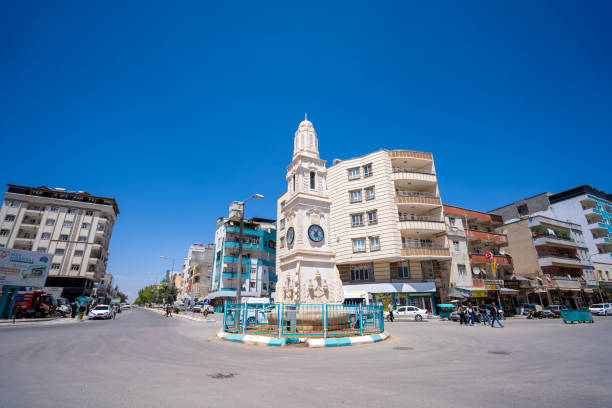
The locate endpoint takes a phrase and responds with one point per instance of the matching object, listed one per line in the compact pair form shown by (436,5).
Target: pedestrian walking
(390,307)
(471,314)
(168,311)
(73,311)
(82,309)
(495,316)
(484,314)
(462,318)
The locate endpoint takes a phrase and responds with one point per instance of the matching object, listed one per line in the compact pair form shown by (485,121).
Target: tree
(122,296)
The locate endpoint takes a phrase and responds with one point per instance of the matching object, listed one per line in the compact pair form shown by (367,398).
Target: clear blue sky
(177,108)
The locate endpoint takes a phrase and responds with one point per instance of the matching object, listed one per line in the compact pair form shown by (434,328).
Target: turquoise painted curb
(376,337)
(338,342)
(237,338)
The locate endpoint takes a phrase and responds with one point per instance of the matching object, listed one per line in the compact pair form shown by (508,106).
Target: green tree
(122,296)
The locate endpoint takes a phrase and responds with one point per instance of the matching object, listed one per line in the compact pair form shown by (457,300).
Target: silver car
(601,309)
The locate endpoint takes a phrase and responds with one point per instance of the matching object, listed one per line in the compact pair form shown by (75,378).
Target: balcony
(604,244)
(424,223)
(593,215)
(481,259)
(29,226)
(486,236)
(559,259)
(425,250)
(420,177)
(409,154)
(540,239)
(416,197)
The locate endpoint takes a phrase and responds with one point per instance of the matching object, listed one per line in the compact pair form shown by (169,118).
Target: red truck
(34,304)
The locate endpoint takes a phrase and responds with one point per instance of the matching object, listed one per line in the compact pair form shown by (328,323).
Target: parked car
(601,309)
(202,308)
(35,304)
(126,306)
(454,316)
(63,306)
(410,313)
(101,312)
(553,310)
(180,306)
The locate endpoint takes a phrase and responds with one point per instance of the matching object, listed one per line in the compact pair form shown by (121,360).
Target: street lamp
(239,287)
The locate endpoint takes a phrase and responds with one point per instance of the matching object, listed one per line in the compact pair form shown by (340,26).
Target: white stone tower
(305,261)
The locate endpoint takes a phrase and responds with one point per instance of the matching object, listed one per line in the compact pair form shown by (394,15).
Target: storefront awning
(508,291)
(413,287)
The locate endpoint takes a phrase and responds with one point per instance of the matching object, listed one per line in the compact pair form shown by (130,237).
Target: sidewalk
(196,317)
(19,321)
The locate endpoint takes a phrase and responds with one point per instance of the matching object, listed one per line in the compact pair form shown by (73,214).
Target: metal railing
(406,193)
(411,217)
(320,320)
(550,236)
(423,245)
(411,170)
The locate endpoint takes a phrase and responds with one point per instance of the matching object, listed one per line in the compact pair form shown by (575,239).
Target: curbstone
(312,343)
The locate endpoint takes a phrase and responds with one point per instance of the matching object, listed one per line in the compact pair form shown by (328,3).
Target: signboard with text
(23,268)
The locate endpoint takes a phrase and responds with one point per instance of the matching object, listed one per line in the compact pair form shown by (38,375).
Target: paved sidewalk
(186,315)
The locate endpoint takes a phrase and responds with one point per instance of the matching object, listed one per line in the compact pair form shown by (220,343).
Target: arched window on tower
(312,180)
(294,183)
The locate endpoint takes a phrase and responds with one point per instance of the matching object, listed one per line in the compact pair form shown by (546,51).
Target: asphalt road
(142,359)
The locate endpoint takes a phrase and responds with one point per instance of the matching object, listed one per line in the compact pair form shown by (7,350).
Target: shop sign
(512,284)
(23,268)
(490,287)
(478,293)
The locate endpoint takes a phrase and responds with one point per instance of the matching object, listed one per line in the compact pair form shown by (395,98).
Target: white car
(126,306)
(601,309)
(200,308)
(410,313)
(101,312)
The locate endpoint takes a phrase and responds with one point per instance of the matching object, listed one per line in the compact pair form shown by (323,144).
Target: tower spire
(305,116)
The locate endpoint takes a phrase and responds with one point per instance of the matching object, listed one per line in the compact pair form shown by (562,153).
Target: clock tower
(304,259)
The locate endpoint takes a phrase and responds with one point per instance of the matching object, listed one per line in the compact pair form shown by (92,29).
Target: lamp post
(239,286)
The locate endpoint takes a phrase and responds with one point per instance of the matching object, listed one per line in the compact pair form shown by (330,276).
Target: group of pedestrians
(488,315)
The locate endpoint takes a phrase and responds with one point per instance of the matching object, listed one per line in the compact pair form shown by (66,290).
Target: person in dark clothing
(73,312)
(495,316)
(168,311)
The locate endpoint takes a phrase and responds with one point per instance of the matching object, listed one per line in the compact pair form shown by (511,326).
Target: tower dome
(305,141)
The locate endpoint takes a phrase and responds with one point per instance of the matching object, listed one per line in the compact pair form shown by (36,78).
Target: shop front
(566,292)
(605,291)
(419,294)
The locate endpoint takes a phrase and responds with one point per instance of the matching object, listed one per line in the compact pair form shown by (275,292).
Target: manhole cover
(221,376)
(403,348)
(503,353)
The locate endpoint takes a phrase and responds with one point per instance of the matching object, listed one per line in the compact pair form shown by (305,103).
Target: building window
(46,235)
(455,245)
(367,170)
(356,220)
(9,218)
(451,220)
(282,242)
(50,222)
(54,209)
(59,251)
(85,225)
(355,196)
(14,203)
(374,243)
(71,211)
(361,272)
(403,269)
(41,249)
(100,227)
(353,173)
(312,180)
(522,209)
(63,237)
(67,223)
(4,232)
(88,212)
(427,269)
(461,269)
(372,217)
(55,266)
(82,238)
(369,193)
(359,245)
(294,183)
(78,252)
(75,267)
(282,224)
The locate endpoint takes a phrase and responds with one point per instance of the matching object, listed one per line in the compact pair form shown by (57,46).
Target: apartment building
(258,258)
(586,206)
(554,257)
(480,268)
(387,226)
(197,270)
(74,226)
(105,290)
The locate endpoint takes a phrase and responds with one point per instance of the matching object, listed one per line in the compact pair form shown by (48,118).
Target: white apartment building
(197,269)
(75,227)
(387,226)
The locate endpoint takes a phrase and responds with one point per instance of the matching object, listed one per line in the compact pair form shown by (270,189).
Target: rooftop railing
(407,193)
(411,170)
(411,217)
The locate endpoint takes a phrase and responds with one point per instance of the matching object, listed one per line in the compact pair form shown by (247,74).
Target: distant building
(591,210)
(258,257)
(197,268)
(75,227)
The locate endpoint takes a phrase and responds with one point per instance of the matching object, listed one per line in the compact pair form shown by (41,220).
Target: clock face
(290,235)
(315,233)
